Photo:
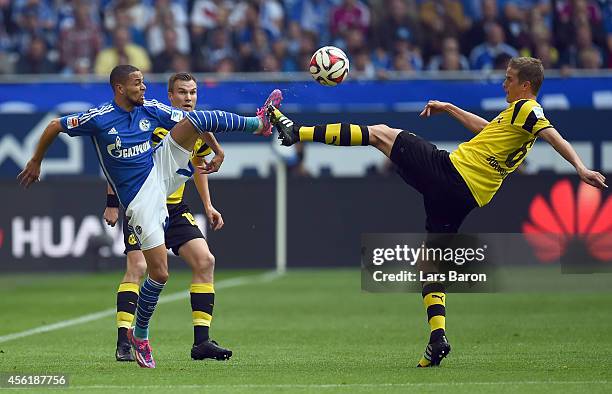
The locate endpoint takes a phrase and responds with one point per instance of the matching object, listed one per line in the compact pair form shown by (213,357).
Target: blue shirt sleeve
(82,123)
(166,115)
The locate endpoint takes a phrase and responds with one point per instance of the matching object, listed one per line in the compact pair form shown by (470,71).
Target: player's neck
(124,104)
(526,96)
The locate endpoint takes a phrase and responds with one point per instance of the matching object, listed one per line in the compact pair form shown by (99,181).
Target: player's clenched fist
(30,174)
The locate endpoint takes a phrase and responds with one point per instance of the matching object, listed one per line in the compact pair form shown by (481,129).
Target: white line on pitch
(223,284)
(336,386)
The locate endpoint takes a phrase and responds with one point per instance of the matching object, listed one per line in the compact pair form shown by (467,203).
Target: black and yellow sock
(434,298)
(342,134)
(202,303)
(127,298)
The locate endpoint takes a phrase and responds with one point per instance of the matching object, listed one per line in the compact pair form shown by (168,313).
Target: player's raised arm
(469,120)
(566,150)
(80,124)
(31,172)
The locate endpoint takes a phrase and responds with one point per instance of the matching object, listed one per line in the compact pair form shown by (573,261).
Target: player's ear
(527,85)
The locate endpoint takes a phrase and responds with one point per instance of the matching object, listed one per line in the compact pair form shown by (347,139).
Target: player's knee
(139,268)
(380,129)
(159,274)
(379,134)
(383,137)
(205,263)
(136,268)
(210,261)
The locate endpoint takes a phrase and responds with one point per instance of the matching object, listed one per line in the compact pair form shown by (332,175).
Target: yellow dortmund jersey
(200,149)
(485,160)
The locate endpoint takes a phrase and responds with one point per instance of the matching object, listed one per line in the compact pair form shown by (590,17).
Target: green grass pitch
(313,331)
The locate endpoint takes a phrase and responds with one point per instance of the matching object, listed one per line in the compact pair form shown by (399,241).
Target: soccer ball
(329,66)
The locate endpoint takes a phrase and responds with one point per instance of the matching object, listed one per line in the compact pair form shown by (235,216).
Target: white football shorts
(148,214)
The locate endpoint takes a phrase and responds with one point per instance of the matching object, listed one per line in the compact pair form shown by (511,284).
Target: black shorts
(181,229)
(447,198)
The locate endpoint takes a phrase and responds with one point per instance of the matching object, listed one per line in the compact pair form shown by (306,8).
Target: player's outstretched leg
(341,134)
(434,298)
(380,136)
(187,131)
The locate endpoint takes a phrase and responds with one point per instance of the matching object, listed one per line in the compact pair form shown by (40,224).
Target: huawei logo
(570,223)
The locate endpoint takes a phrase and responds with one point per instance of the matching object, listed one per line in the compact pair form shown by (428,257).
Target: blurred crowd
(226,36)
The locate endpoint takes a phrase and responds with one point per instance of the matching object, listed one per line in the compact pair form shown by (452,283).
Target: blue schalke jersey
(123,140)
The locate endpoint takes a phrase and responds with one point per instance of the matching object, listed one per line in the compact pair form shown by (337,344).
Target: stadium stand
(226,36)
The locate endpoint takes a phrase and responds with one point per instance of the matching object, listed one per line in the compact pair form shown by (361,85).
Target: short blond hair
(529,69)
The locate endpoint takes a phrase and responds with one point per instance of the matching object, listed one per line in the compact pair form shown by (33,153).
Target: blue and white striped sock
(147,300)
(221,121)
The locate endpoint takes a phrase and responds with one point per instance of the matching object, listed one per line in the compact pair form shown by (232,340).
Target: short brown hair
(529,69)
(180,77)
